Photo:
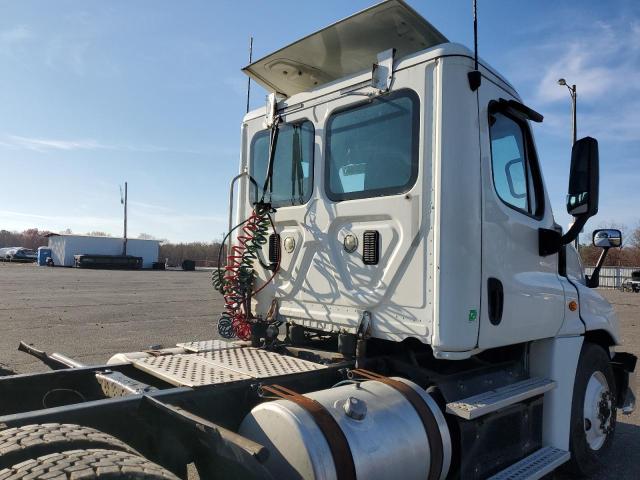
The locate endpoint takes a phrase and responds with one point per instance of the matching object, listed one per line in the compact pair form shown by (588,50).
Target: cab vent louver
(370,247)
(274,248)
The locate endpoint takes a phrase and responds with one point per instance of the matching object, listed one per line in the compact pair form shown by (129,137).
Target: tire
(591,431)
(87,465)
(32,441)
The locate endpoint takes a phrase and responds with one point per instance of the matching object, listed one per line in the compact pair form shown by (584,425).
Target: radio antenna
(249,81)
(475,77)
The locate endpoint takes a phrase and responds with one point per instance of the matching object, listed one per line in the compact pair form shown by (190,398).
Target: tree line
(31,238)
(205,254)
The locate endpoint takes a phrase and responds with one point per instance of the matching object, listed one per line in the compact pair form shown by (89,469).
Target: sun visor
(344,48)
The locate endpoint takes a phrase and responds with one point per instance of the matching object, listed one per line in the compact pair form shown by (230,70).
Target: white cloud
(12,220)
(68,53)
(603,60)
(17,34)
(237,84)
(148,206)
(42,145)
(13,39)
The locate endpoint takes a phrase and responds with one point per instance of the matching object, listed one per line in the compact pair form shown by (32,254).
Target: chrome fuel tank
(385,434)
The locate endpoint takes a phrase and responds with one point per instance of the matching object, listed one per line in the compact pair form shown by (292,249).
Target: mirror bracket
(548,241)
(593,281)
(382,71)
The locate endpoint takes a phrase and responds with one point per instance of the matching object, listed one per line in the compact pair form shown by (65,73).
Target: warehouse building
(65,246)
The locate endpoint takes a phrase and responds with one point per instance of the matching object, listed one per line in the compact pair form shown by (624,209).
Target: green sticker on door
(473,315)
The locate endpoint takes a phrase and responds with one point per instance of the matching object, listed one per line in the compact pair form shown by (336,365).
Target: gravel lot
(91,314)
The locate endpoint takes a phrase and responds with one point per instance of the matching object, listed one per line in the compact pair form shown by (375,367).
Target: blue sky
(93,93)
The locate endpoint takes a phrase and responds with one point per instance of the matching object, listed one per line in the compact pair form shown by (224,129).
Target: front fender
(597,313)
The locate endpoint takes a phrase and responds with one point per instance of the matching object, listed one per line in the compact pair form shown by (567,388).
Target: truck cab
(414,198)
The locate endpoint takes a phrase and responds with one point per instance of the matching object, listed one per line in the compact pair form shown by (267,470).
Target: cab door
(355,242)
(522,295)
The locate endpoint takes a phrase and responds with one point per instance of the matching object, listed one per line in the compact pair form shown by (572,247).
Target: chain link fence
(613,277)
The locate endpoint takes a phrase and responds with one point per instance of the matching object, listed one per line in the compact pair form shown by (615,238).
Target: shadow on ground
(625,446)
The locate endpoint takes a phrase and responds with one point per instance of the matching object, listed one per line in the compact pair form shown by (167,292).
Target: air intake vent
(371,247)
(274,248)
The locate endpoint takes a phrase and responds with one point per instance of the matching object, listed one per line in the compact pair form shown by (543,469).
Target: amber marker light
(573,305)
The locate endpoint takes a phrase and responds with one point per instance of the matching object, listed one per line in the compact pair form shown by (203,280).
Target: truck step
(487,402)
(535,466)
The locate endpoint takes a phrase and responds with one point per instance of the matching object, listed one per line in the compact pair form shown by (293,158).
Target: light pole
(574,98)
(574,126)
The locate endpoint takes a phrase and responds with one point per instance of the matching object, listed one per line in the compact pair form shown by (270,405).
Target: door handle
(496,300)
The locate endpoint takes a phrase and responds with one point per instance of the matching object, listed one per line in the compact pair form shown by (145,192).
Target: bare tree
(205,254)
(31,238)
(634,236)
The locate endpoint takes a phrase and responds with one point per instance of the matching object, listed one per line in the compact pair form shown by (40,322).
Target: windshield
(292,180)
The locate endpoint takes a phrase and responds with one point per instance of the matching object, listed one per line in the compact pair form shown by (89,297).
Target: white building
(65,246)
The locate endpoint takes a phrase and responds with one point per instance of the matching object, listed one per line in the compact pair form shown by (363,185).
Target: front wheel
(593,412)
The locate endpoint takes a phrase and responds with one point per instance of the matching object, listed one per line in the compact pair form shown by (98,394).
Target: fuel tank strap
(424,412)
(338,444)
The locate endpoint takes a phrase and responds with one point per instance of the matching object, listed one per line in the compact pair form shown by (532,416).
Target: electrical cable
(239,275)
(237,283)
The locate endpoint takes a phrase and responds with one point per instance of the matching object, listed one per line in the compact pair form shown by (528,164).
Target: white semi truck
(402,301)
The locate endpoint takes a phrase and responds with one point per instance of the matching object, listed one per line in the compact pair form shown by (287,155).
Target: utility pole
(123,201)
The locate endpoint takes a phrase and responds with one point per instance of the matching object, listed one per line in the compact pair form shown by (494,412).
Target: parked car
(633,284)
(18,254)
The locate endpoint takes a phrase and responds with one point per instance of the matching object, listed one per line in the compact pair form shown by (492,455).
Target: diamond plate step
(487,402)
(258,363)
(187,370)
(535,466)
(207,345)
(222,366)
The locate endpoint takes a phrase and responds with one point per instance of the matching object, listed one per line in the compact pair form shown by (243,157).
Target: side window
(292,163)
(510,164)
(372,148)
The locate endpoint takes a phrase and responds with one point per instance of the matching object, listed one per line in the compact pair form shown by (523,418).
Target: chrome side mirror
(607,238)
